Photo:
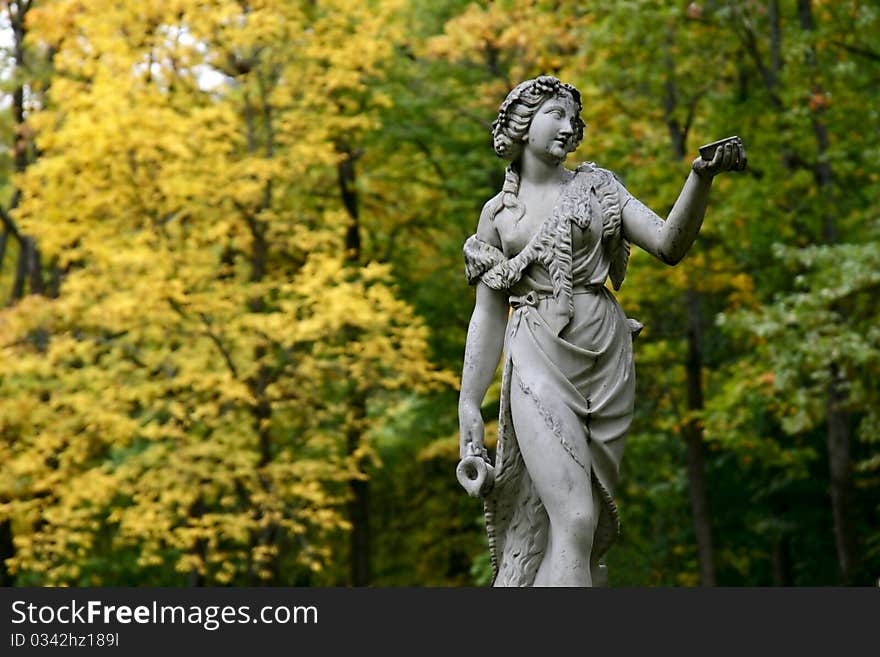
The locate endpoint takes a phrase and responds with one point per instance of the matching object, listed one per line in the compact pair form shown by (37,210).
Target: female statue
(544,247)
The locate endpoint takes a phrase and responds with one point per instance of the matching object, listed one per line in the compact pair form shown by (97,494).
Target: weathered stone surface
(544,248)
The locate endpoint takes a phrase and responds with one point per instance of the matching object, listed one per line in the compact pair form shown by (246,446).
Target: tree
(813,71)
(184,402)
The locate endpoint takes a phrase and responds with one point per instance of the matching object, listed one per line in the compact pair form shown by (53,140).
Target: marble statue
(542,252)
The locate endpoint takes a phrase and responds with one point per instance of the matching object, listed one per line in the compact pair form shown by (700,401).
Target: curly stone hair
(512,124)
(516,112)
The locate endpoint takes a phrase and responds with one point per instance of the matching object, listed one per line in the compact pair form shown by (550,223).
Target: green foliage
(178,405)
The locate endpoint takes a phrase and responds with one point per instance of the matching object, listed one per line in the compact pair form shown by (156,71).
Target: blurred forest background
(234,310)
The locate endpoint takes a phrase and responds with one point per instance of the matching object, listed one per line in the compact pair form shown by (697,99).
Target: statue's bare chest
(516,230)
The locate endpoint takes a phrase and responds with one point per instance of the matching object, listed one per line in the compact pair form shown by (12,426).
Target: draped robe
(568,346)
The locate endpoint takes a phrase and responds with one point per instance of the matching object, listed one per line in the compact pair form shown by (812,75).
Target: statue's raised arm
(669,240)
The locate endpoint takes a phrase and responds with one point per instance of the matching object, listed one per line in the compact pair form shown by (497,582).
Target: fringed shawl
(551,245)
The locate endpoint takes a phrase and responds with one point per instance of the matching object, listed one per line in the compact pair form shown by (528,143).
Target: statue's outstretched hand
(729,156)
(472,428)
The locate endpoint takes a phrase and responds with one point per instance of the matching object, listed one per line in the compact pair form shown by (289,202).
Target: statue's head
(516,112)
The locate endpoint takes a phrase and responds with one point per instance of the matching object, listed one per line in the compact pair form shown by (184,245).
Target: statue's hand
(471,430)
(728,157)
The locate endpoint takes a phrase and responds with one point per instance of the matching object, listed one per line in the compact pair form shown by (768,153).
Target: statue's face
(552,129)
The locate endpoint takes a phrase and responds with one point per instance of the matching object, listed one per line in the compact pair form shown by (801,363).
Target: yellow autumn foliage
(184,398)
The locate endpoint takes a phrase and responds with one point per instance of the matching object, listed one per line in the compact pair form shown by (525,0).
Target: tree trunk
(15,13)
(34,266)
(781,562)
(7,550)
(840,466)
(693,430)
(17,22)
(267,572)
(838,418)
(4,240)
(21,269)
(29,265)
(358,507)
(693,434)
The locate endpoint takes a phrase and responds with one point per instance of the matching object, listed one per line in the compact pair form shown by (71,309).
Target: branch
(750,42)
(692,110)
(247,214)
(424,148)
(216,340)
(249,124)
(20,273)
(670,103)
(267,116)
(287,351)
(858,50)
(9,224)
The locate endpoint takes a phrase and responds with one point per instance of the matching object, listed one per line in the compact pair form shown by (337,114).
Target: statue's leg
(561,476)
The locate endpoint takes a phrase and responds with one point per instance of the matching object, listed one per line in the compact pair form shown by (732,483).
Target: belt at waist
(533,297)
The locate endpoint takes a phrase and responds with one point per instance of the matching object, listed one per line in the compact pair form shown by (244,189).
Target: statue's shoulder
(486,230)
(595,169)
(491,207)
